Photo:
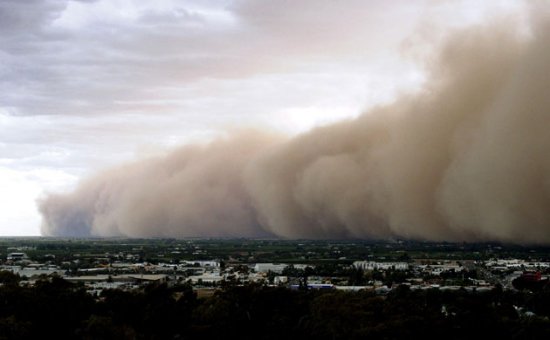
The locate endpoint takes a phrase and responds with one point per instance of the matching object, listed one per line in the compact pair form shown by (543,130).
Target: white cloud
(19,216)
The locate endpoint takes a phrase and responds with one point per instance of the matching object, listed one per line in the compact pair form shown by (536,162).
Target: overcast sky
(88,84)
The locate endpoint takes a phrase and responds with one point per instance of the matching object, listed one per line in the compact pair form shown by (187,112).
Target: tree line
(56,308)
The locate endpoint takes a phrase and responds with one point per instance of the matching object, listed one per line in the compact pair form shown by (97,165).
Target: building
(265,267)
(371,265)
(17,256)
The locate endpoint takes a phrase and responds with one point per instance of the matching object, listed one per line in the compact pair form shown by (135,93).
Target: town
(115,288)
(208,264)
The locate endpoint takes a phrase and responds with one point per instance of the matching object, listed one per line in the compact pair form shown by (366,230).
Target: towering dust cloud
(465,159)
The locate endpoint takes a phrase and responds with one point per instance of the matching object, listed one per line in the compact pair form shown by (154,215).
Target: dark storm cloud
(198,186)
(466,158)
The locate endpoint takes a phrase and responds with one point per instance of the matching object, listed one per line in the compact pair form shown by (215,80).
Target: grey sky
(90,84)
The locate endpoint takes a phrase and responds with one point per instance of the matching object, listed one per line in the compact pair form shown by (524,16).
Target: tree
(7,277)
(271,276)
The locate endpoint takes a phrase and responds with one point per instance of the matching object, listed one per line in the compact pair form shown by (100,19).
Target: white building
(371,265)
(206,278)
(265,267)
(203,263)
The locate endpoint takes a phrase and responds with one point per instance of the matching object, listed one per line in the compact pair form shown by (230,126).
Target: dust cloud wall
(464,159)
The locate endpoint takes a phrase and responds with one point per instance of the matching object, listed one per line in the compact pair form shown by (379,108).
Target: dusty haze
(465,159)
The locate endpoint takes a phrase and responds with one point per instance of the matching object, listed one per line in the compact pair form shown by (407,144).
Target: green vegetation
(54,307)
(61,310)
(258,250)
